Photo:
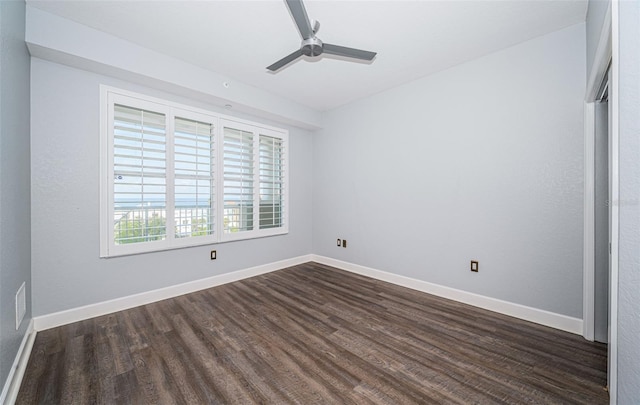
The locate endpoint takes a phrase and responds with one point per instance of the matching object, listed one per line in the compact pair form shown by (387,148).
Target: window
(271,160)
(253,180)
(175,176)
(238,180)
(139,170)
(194,181)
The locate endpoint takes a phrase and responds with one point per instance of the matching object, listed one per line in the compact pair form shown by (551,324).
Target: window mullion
(170,176)
(108,221)
(215,186)
(256,181)
(219,179)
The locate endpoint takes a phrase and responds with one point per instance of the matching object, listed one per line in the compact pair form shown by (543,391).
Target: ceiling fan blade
(348,52)
(285,61)
(300,17)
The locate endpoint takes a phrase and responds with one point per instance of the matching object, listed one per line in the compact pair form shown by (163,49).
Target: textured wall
(629,244)
(67,271)
(14,179)
(482,161)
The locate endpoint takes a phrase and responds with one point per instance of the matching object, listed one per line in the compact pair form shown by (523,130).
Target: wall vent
(21,305)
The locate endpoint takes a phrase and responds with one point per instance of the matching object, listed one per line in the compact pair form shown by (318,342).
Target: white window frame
(109,96)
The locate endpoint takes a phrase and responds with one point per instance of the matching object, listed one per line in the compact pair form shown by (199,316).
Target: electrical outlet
(474,265)
(344,243)
(339,243)
(213,255)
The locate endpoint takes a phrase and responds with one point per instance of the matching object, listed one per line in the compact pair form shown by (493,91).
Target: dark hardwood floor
(311,334)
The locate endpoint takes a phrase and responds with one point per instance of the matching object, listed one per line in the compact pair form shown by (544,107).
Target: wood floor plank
(311,334)
(277,334)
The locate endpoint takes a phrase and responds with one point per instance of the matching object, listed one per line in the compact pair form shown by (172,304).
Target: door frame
(606,54)
(598,71)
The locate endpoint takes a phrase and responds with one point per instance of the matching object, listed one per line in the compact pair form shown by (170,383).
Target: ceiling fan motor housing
(311,47)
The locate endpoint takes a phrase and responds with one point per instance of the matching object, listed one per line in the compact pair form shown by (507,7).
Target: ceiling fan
(312,45)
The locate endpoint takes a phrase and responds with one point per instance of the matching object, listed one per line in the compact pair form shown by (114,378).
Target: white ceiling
(239,38)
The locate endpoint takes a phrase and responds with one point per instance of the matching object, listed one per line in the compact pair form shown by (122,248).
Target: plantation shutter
(238,180)
(139,186)
(175,176)
(194,162)
(271,157)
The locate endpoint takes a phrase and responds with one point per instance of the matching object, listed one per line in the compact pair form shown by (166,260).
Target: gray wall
(15,226)
(595,20)
(482,161)
(629,243)
(67,271)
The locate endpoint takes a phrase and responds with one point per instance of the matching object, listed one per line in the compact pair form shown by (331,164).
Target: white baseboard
(107,307)
(14,379)
(554,320)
